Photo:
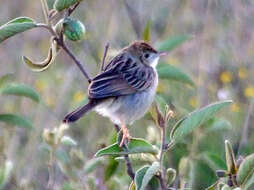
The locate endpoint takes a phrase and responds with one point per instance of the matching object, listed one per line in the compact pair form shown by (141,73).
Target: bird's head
(145,53)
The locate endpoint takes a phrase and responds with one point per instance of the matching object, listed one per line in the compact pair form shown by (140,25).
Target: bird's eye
(146,55)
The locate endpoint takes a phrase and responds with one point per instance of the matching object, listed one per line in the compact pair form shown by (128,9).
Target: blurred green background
(219,59)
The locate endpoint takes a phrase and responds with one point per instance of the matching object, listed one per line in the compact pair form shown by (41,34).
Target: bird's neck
(155,62)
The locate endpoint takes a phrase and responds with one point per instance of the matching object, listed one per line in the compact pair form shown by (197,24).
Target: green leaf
(6,78)
(152,170)
(195,119)
(139,176)
(230,158)
(246,171)
(15,26)
(213,186)
(214,161)
(64,4)
(16,120)
(218,124)
(146,33)
(172,42)
(136,145)
(167,71)
(92,164)
(20,90)
(110,168)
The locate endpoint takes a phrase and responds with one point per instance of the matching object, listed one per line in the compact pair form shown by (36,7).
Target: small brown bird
(125,89)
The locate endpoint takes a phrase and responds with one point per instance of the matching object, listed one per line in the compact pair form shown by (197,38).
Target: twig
(66,49)
(127,159)
(51,170)
(76,61)
(162,149)
(104,56)
(70,10)
(45,10)
(163,186)
(245,131)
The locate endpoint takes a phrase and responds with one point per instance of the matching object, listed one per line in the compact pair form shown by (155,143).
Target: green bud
(171,175)
(230,158)
(74,29)
(49,136)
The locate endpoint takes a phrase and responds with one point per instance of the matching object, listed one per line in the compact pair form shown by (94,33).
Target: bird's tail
(79,112)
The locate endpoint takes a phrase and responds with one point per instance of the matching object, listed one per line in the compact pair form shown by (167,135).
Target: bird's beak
(162,53)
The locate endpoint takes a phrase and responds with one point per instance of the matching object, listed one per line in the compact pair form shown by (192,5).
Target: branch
(70,10)
(162,149)
(104,56)
(76,61)
(45,10)
(127,159)
(61,43)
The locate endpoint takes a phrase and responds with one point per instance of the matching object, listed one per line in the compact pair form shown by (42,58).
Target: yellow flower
(242,73)
(249,91)
(226,77)
(193,102)
(235,107)
(78,96)
(40,85)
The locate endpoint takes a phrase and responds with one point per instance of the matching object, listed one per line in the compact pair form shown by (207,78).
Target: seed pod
(73,29)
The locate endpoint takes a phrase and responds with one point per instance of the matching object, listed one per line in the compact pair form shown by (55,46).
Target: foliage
(183,146)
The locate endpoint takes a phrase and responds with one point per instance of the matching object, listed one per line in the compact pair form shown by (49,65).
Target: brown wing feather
(121,77)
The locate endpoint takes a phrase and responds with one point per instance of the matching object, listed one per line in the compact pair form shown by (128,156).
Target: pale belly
(125,110)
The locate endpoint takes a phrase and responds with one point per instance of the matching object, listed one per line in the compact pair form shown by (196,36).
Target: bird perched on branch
(125,88)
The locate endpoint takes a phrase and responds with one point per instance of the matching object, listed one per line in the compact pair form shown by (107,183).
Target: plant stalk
(45,10)
(161,155)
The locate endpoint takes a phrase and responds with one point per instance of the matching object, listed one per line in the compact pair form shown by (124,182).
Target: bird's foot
(126,135)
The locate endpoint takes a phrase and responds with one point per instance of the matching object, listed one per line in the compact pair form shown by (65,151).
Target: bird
(125,89)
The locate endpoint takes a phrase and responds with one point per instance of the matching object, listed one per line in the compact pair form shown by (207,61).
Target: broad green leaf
(136,145)
(20,90)
(92,164)
(217,124)
(230,158)
(167,71)
(246,171)
(64,4)
(214,161)
(15,26)
(152,170)
(146,33)
(16,120)
(6,78)
(195,119)
(139,176)
(138,158)
(172,42)
(111,168)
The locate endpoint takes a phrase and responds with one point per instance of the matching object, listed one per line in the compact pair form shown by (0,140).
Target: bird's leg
(126,135)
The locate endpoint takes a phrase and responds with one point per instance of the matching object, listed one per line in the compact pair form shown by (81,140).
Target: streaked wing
(122,77)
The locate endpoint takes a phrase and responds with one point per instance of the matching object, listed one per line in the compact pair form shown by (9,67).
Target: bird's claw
(126,136)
